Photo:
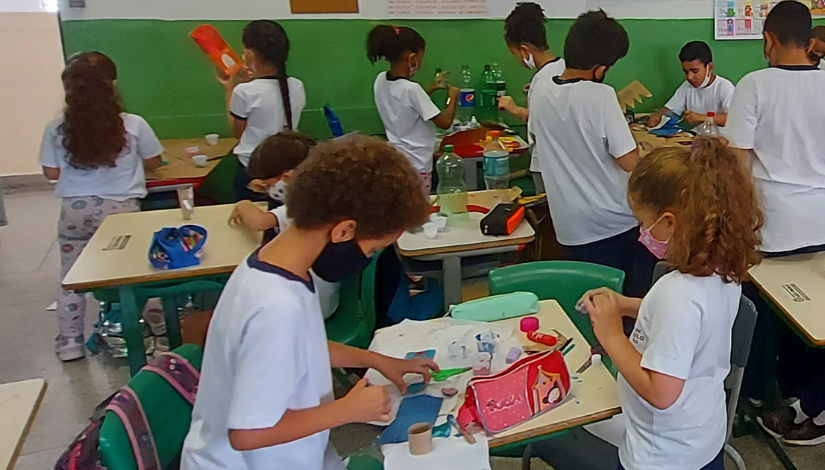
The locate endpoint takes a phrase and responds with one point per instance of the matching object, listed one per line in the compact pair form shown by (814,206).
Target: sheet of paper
(448,454)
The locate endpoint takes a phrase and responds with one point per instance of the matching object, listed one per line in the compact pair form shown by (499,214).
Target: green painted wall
(165,78)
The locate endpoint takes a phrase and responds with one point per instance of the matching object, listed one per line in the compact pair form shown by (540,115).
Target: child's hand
(236,218)
(395,369)
(605,314)
(654,120)
(628,307)
(226,81)
(245,75)
(526,88)
(694,118)
(367,403)
(257,186)
(440,81)
(507,104)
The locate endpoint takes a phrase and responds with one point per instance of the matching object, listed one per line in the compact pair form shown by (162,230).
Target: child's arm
(152,163)
(229,83)
(628,161)
(52,174)
(628,306)
(394,369)
(362,404)
(507,104)
(444,120)
(439,83)
(247,214)
(656,117)
(660,390)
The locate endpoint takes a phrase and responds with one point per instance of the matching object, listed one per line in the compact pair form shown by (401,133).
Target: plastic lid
(448,148)
(495,134)
(711,114)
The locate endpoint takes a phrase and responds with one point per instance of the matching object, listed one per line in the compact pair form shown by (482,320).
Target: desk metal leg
(452,281)
(170,316)
(132,332)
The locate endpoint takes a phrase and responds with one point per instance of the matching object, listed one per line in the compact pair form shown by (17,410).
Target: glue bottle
(542,338)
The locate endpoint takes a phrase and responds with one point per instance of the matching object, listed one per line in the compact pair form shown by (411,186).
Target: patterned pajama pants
(80,217)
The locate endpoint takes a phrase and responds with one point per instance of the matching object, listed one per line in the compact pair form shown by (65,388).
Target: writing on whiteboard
(437,7)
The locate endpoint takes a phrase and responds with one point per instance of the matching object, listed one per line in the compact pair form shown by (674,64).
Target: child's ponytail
(391,42)
(269,40)
(715,202)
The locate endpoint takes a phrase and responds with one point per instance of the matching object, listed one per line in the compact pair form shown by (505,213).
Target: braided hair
(269,41)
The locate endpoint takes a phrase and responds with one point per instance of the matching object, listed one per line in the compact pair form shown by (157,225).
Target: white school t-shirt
(580,130)
(547,71)
(266,353)
(683,330)
(125,180)
(716,98)
(778,114)
(259,103)
(406,110)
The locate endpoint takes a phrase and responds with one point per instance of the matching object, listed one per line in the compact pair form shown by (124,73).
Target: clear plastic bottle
(708,128)
(466,100)
(473,124)
(451,190)
(501,88)
(496,163)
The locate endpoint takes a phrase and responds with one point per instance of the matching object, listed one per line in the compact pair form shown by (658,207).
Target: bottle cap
(596,360)
(529,324)
(495,134)
(711,114)
(448,149)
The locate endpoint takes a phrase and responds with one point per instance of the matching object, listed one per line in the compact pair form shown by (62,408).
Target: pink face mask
(657,247)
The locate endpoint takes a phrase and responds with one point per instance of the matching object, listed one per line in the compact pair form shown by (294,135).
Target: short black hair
(696,50)
(391,42)
(526,25)
(595,39)
(790,22)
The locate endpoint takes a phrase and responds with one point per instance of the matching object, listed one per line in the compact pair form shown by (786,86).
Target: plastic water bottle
(451,190)
(496,163)
(501,88)
(487,104)
(708,128)
(467,99)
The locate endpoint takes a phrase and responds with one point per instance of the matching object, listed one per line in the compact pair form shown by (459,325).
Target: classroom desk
(464,239)
(796,285)
(466,147)
(181,168)
(649,142)
(115,274)
(593,399)
(19,403)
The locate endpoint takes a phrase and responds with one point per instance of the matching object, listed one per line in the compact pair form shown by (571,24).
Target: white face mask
(706,81)
(277,192)
(529,62)
(413,70)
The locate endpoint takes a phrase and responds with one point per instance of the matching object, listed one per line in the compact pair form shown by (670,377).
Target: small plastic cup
(431,230)
(212,139)
(486,342)
(192,151)
(200,160)
(457,350)
(440,221)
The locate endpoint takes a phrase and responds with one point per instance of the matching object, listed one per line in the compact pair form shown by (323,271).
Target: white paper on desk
(448,454)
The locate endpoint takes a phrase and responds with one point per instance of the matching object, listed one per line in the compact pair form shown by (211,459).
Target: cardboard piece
(632,94)
(323,6)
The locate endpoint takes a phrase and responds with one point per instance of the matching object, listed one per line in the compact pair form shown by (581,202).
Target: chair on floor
(564,281)
(353,323)
(167,412)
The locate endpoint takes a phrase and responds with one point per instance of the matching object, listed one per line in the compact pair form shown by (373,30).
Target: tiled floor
(29,283)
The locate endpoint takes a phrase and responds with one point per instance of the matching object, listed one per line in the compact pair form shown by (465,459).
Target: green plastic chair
(364,462)
(353,323)
(168,414)
(564,281)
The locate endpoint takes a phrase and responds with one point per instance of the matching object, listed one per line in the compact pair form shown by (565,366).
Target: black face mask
(600,80)
(340,260)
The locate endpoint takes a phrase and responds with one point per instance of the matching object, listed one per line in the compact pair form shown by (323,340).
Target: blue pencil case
(176,248)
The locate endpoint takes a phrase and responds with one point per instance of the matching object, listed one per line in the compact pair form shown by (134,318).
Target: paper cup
(431,230)
(192,151)
(200,160)
(421,439)
(212,139)
(440,221)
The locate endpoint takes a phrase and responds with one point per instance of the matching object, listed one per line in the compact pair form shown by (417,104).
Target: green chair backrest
(564,281)
(168,414)
(353,323)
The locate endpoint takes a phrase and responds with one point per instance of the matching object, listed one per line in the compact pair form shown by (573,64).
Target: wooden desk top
(796,284)
(19,402)
(593,399)
(649,142)
(226,246)
(182,166)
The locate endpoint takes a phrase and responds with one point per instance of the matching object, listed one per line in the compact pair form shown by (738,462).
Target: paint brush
(464,432)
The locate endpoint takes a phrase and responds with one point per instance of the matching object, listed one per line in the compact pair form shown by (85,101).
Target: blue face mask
(339,261)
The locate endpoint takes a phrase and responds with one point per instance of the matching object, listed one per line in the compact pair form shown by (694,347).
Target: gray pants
(80,218)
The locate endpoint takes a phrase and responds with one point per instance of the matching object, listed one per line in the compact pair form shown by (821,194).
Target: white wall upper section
(370,9)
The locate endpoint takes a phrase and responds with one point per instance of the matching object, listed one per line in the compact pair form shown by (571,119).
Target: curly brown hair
(278,153)
(92,129)
(713,197)
(363,179)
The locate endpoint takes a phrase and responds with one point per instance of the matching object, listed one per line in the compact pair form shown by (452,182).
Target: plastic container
(501,88)
(467,99)
(496,163)
(708,128)
(211,42)
(451,190)
(487,101)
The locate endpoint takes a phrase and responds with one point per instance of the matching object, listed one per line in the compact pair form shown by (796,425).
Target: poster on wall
(740,19)
(323,6)
(401,8)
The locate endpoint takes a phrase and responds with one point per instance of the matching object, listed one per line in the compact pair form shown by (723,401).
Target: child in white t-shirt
(702,92)
(270,103)
(98,154)
(526,38)
(265,397)
(699,210)
(405,108)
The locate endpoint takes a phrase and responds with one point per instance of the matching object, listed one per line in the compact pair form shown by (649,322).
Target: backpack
(83,454)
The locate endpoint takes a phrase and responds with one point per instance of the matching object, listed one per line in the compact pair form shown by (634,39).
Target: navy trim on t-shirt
(390,78)
(559,81)
(548,63)
(255,263)
(794,68)
(237,117)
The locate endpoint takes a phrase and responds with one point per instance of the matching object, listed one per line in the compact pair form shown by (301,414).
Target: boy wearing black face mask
(265,398)
(586,151)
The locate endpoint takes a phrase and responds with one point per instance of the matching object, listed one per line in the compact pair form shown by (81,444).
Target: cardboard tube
(421,438)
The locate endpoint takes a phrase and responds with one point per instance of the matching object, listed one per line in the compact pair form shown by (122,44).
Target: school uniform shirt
(778,114)
(715,98)
(266,353)
(547,71)
(125,180)
(259,103)
(406,110)
(683,330)
(580,131)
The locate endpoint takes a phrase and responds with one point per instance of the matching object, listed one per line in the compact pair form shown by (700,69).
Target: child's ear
(286,176)
(343,231)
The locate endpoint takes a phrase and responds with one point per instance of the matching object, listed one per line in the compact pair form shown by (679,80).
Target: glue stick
(542,338)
